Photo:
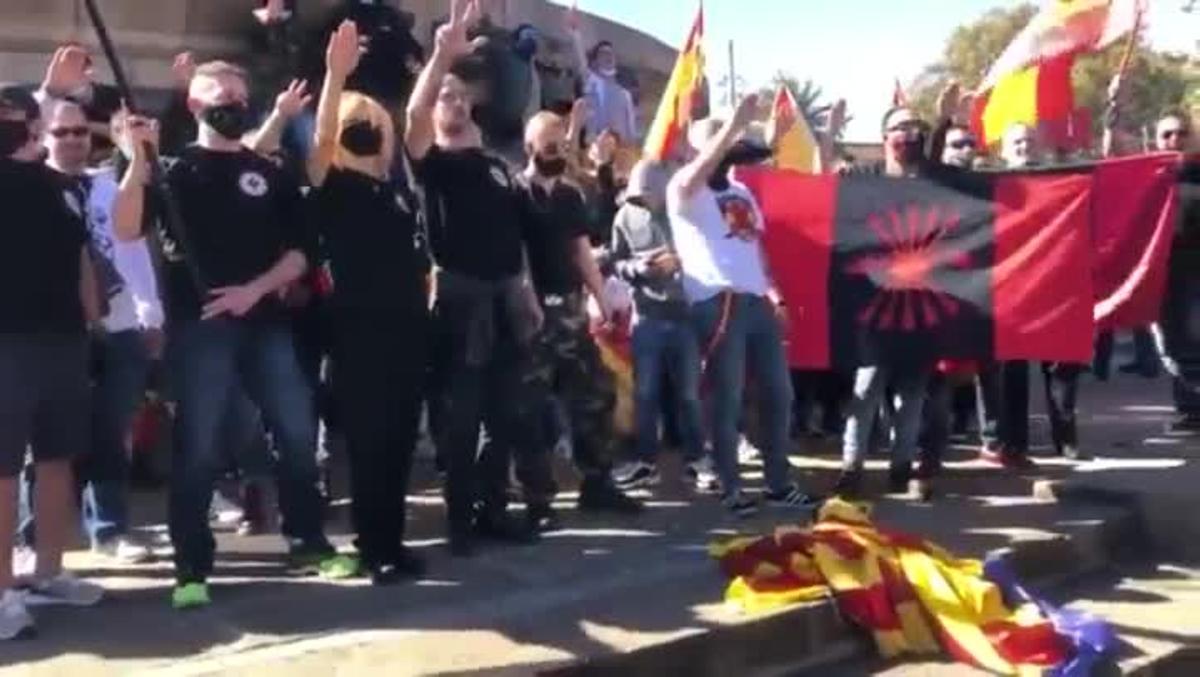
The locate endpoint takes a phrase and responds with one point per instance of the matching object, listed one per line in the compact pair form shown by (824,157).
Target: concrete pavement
(636,595)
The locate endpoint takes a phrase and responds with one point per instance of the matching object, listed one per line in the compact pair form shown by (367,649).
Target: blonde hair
(540,121)
(356,107)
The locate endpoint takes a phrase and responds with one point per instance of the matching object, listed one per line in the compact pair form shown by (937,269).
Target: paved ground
(596,587)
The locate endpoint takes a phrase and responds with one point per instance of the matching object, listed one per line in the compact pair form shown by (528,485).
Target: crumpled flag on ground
(914,597)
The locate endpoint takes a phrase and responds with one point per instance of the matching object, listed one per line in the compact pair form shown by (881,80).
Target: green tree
(1154,82)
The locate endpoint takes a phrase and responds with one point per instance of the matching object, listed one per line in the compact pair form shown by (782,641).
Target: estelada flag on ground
(789,134)
(966,265)
(685,98)
(1031,81)
(914,597)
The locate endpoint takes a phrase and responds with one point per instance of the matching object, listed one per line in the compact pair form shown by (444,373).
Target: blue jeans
(125,366)
(752,344)
(103,470)
(870,388)
(660,344)
(208,361)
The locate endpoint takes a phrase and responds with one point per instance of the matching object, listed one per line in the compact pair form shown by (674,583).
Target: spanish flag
(1031,81)
(789,135)
(685,98)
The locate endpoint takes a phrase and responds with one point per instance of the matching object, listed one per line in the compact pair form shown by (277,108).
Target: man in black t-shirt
(485,310)
(46,287)
(566,359)
(239,247)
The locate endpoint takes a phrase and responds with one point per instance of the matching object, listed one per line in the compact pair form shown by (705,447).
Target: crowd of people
(438,288)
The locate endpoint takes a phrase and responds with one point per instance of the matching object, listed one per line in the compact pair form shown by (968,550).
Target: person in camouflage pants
(565,361)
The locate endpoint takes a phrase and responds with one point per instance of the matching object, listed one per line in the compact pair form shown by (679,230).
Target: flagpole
(1130,46)
(733,101)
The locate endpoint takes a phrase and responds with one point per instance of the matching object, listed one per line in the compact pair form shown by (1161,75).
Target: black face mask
(362,139)
(14,134)
(742,153)
(231,120)
(550,167)
(913,150)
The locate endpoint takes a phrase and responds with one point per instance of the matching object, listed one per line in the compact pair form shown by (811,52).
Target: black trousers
(1061,386)
(1180,327)
(381,360)
(494,394)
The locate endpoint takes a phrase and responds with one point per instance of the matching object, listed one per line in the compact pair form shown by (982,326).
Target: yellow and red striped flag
(1031,81)
(685,98)
(789,135)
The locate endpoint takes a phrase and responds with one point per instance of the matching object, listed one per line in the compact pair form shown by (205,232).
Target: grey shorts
(44,399)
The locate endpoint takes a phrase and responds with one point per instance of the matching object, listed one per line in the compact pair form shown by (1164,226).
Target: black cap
(18,97)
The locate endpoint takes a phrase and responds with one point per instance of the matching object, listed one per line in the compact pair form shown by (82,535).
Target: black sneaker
(1186,423)
(739,504)
(849,484)
(600,495)
(898,477)
(462,545)
(406,565)
(542,518)
(501,528)
(636,475)
(791,498)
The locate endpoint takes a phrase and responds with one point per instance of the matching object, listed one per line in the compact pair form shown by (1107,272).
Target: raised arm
(267,139)
(826,157)
(694,174)
(129,208)
(578,51)
(341,58)
(449,44)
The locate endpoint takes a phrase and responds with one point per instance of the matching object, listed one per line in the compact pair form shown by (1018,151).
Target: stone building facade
(149,33)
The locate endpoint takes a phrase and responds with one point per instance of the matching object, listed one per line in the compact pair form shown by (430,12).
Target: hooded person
(643,255)
(369,232)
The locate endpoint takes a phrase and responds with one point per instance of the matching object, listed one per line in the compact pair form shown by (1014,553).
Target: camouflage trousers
(566,364)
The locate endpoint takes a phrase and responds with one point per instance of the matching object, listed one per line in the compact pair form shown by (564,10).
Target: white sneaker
(64,590)
(224,511)
(635,475)
(124,550)
(703,476)
(747,452)
(15,621)
(24,562)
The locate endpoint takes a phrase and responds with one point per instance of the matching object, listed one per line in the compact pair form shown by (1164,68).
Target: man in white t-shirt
(717,228)
(130,341)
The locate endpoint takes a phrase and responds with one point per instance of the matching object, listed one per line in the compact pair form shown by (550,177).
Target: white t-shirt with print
(717,237)
(138,304)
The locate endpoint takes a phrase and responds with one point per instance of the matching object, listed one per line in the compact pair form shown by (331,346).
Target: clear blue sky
(853,49)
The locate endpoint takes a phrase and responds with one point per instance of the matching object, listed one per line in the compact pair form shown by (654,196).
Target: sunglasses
(964,144)
(911,125)
(62,132)
(1174,134)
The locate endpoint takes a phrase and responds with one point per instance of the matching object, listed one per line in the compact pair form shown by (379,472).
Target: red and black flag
(958,265)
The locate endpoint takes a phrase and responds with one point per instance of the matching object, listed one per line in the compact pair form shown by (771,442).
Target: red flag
(978,266)
(1134,210)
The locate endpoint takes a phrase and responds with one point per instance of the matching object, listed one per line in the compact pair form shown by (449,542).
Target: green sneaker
(190,596)
(339,567)
(330,566)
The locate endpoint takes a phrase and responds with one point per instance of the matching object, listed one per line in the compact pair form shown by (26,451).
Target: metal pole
(733,100)
(171,213)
